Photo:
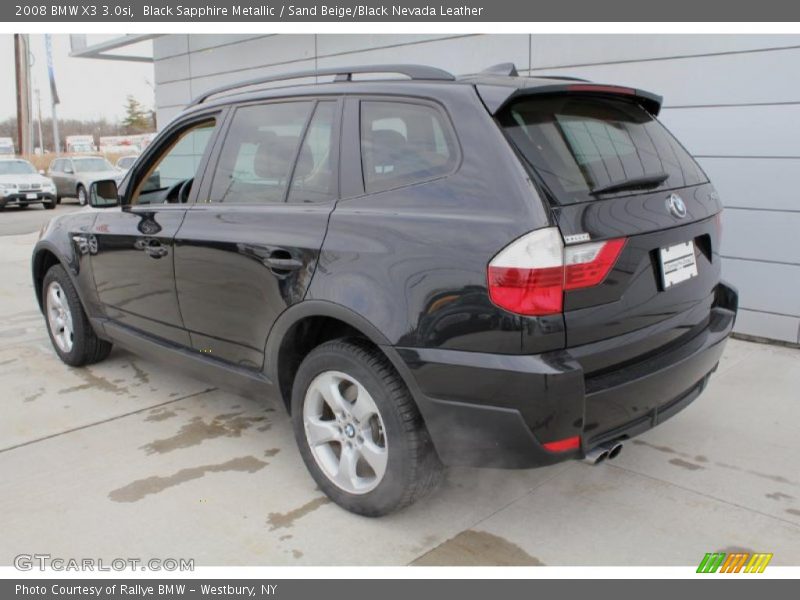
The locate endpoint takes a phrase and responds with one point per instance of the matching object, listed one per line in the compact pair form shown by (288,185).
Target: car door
(249,246)
(57,174)
(133,264)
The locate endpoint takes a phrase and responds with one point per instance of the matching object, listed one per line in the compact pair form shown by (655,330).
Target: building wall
(731,99)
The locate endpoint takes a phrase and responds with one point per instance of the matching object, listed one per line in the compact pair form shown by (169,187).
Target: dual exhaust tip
(598,454)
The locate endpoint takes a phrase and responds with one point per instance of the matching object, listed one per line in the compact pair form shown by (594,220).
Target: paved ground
(128,459)
(15,220)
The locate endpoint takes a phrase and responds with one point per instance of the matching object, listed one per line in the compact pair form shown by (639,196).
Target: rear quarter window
(403,143)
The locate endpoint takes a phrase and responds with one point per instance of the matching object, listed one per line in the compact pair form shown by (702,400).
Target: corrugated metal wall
(733,100)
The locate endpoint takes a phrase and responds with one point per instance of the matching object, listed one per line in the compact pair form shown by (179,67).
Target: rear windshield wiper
(644,181)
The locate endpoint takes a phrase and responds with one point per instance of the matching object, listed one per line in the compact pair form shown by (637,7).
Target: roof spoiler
(497,97)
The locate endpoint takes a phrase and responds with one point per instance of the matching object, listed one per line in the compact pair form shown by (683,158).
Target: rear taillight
(530,275)
(570,443)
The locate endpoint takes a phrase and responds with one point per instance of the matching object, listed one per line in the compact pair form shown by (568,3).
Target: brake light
(570,443)
(601,89)
(530,275)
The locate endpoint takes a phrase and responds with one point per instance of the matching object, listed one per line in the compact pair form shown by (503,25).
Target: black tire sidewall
(391,491)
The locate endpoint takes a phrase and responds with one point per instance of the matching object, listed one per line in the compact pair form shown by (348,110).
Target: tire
(80,193)
(58,199)
(49,205)
(70,332)
(379,420)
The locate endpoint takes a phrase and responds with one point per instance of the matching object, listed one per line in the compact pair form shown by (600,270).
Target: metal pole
(23,98)
(56,139)
(53,93)
(39,106)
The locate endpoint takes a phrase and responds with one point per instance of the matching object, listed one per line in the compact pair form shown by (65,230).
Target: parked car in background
(74,176)
(7,147)
(124,163)
(21,184)
(488,271)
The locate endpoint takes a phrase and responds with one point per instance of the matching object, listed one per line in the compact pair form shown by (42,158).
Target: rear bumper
(494,410)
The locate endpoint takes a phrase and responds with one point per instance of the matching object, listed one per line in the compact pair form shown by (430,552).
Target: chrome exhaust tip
(596,455)
(604,451)
(614,450)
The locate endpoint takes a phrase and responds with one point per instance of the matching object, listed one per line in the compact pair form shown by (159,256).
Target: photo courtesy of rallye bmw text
(467,300)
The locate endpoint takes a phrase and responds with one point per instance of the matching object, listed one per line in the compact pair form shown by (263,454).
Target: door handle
(156,251)
(281,260)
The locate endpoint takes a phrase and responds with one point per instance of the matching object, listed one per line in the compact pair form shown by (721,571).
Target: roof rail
(419,72)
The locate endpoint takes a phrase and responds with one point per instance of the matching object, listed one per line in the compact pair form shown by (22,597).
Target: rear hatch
(611,171)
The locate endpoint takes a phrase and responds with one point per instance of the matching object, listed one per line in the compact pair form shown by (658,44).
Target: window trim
(153,150)
(397,99)
(314,100)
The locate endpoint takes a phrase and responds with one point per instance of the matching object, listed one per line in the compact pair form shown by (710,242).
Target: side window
(56,166)
(403,143)
(260,147)
(168,178)
(313,179)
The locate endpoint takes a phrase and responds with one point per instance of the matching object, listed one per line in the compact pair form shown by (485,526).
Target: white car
(21,184)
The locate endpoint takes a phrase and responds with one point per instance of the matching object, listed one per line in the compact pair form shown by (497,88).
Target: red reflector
(571,443)
(588,274)
(602,89)
(527,291)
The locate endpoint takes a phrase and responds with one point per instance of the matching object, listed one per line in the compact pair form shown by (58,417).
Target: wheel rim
(59,317)
(345,432)
(81,196)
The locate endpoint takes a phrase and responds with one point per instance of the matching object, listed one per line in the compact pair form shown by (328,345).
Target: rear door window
(581,145)
(404,143)
(259,152)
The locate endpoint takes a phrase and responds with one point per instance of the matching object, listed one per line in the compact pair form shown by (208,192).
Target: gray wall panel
(761,183)
(762,235)
(765,287)
(550,51)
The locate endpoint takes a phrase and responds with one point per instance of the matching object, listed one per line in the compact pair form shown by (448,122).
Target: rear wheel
(359,431)
(71,334)
(81,193)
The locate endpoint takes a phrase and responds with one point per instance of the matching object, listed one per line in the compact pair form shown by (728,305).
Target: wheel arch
(307,324)
(44,258)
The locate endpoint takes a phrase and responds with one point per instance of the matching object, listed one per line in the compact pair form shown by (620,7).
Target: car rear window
(579,145)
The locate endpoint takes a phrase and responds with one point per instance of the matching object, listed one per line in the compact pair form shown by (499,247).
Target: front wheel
(82,195)
(49,205)
(359,431)
(72,335)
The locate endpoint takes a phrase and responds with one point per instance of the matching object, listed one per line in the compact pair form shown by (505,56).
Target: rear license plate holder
(678,263)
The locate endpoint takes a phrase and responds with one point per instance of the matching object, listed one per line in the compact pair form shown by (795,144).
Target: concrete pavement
(130,459)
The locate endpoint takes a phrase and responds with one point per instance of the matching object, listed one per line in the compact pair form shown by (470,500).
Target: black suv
(490,270)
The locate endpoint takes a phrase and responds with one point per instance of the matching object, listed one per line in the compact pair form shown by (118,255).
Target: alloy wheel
(345,432)
(59,317)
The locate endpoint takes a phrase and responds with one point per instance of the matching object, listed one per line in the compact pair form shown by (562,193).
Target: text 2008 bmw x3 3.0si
(490,270)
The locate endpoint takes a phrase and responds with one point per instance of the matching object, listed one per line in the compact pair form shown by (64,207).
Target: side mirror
(68,170)
(41,171)
(104,194)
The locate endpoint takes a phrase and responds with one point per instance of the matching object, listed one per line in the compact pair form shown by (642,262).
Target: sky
(88,88)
